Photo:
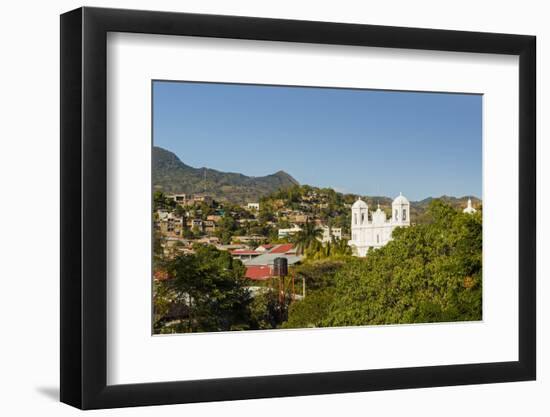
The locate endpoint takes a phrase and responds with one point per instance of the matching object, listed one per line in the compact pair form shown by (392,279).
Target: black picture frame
(84,207)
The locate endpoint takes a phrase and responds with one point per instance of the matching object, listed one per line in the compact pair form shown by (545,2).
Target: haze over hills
(171,175)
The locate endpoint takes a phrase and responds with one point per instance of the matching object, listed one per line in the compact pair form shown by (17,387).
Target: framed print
(258,207)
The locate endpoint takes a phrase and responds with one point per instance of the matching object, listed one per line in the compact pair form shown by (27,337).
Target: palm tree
(307,237)
(341,247)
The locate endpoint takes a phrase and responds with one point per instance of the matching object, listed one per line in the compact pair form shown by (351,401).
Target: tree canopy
(211,284)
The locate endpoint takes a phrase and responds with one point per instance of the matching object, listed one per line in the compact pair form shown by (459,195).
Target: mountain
(171,175)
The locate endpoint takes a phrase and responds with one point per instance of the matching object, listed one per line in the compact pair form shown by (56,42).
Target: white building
(181,199)
(469,209)
(289,232)
(376,232)
(331,234)
(253,206)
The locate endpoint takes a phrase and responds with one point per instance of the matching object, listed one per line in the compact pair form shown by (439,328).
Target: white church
(469,209)
(376,232)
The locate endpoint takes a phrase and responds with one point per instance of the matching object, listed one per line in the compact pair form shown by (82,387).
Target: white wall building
(181,199)
(289,232)
(469,209)
(253,206)
(331,234)
(376,232)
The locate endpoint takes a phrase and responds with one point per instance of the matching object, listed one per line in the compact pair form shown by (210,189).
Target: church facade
(371,230)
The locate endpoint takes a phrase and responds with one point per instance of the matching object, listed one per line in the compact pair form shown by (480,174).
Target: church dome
(400,200)
(359,204)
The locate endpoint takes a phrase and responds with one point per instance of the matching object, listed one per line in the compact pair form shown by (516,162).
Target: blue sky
(365,142)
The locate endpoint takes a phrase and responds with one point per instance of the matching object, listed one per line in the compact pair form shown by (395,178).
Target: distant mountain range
(171,175)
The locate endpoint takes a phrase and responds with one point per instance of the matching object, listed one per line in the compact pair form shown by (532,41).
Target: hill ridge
(171,175)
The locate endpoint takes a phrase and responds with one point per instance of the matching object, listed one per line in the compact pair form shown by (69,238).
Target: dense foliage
(319,277)
(211,287)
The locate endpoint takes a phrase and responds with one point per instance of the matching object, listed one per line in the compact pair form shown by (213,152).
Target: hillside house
(331,234)
(289,231)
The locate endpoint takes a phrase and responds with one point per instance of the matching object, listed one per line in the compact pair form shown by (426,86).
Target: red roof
(283,248)
(258,272)
(267,246)
(244,252)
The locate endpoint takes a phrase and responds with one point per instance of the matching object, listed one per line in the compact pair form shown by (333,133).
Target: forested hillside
(171,175)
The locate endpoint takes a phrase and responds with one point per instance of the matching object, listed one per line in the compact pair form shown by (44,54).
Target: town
(224,265)
(256,233)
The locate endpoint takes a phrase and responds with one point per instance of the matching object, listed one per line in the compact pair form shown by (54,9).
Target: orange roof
(267,246)
(258,272)
(283,248)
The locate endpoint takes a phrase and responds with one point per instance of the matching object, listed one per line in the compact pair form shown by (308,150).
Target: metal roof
(267,259)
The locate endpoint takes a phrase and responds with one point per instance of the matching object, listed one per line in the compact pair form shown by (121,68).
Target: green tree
(266,214)
(161,202)
(319,281)
(265,310)
(212,287)
(226,228)
(308,237)
(179,211)
(320,274)
(311,311)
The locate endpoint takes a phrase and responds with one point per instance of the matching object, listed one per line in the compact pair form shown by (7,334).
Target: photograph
(281,205)
(289,207)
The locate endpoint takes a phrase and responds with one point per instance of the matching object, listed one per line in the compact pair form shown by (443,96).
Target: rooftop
(283,248)
(258,272)
(245,252)
(268,258)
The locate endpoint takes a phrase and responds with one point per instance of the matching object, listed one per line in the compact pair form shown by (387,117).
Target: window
(355,218)
(377,238)
(396,214)
(404,214)
(362,218)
